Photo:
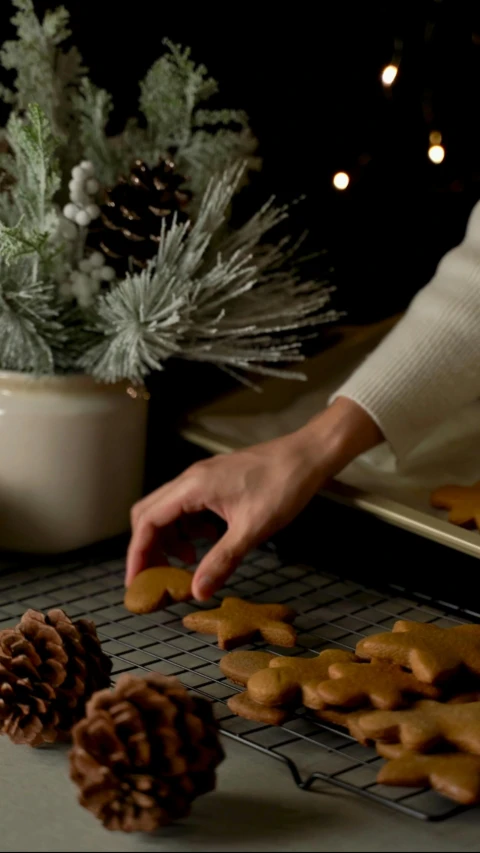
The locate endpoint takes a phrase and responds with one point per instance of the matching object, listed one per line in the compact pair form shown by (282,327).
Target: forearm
(428,367)
(336,436)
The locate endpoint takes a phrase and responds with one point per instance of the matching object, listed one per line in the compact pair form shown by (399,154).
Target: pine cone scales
(131,219)
(144,752)
(46,670)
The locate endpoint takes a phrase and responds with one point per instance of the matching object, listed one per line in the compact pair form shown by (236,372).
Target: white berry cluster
(84,282)
(81,208)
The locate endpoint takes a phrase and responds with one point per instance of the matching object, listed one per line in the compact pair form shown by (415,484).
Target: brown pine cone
(128,228)
(88,668)
(49,667)
(144,752)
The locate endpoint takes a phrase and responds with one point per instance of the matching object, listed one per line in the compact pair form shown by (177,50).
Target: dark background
(309,77)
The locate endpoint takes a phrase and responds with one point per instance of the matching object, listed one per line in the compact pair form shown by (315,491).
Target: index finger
(182,496)
(156,516)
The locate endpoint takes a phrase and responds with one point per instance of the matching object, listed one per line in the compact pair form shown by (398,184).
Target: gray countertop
(256,807)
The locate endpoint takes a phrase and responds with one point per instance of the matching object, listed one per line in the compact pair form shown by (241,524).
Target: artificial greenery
(213,293)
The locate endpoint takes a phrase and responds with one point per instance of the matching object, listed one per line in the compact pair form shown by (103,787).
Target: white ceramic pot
(72,455)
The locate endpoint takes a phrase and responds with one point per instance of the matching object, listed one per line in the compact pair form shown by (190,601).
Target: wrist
(339,434)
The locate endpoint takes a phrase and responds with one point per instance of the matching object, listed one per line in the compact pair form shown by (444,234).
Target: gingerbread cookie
(240,666)
(463,503)
(379,684)
(293,679)
(154,588)
(426,725)
(345,720)
(243,706)
(454,774)
(433,654)
(237,622)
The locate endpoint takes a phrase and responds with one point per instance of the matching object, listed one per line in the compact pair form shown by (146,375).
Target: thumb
(219,563)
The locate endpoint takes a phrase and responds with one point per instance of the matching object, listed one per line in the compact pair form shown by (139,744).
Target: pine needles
(232,297)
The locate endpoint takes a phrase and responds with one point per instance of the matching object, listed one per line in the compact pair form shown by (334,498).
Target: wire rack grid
(332,613)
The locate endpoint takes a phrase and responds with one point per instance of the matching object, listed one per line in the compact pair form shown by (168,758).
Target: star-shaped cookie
(427,725)
(237,622)
(293,679)
(463,503)
(433,654)
(382,685)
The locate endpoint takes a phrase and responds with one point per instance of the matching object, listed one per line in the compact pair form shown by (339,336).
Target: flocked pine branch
(45,73)
(232,310)
(29,329)
(36,183)
(203,141)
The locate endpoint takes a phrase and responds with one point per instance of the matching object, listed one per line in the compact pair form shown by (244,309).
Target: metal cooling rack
(332,612)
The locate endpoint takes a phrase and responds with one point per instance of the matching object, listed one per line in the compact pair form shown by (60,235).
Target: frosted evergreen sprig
(36,183)
(228,309)
(29,326)
(235,298)
(45,73)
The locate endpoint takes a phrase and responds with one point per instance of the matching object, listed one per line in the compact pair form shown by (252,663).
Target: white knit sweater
(428,367)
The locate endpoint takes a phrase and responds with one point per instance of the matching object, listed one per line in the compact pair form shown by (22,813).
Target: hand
(256,491)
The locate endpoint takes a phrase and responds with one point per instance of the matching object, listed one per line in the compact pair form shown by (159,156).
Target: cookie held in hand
(294,679)
(154,588)
(456,775)
(382,685)
(237,622)
(433,654)
(463,503)
(427,725)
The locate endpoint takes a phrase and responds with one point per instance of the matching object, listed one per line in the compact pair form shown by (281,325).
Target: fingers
(169,506)
(219,563)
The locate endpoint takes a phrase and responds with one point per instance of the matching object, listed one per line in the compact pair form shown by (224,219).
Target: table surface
(253,809)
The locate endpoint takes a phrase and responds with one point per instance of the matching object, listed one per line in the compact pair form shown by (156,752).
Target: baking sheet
(375,482)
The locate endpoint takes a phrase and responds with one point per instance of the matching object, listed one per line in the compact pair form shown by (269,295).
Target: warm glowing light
(388,74)
(436,153)
(341,181)
(435,137)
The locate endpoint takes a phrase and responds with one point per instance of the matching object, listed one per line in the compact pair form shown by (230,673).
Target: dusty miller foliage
(213,294)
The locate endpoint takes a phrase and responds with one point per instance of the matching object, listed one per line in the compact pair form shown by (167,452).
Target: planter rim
(70,382)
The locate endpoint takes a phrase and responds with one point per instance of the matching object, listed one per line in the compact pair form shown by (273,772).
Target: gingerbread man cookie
(433,654)
(382,685)
(294,679)
(453,774)
(243,706)
(237,622)
(345,720)
(240,666)
(426,725)
(463,503)
(153,588)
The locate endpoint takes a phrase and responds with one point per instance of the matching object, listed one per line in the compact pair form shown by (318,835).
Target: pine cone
(129,226)
(49,667)
(88,668)
(144,752)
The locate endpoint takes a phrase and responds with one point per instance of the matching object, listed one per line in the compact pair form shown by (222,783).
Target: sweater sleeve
(428,367)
